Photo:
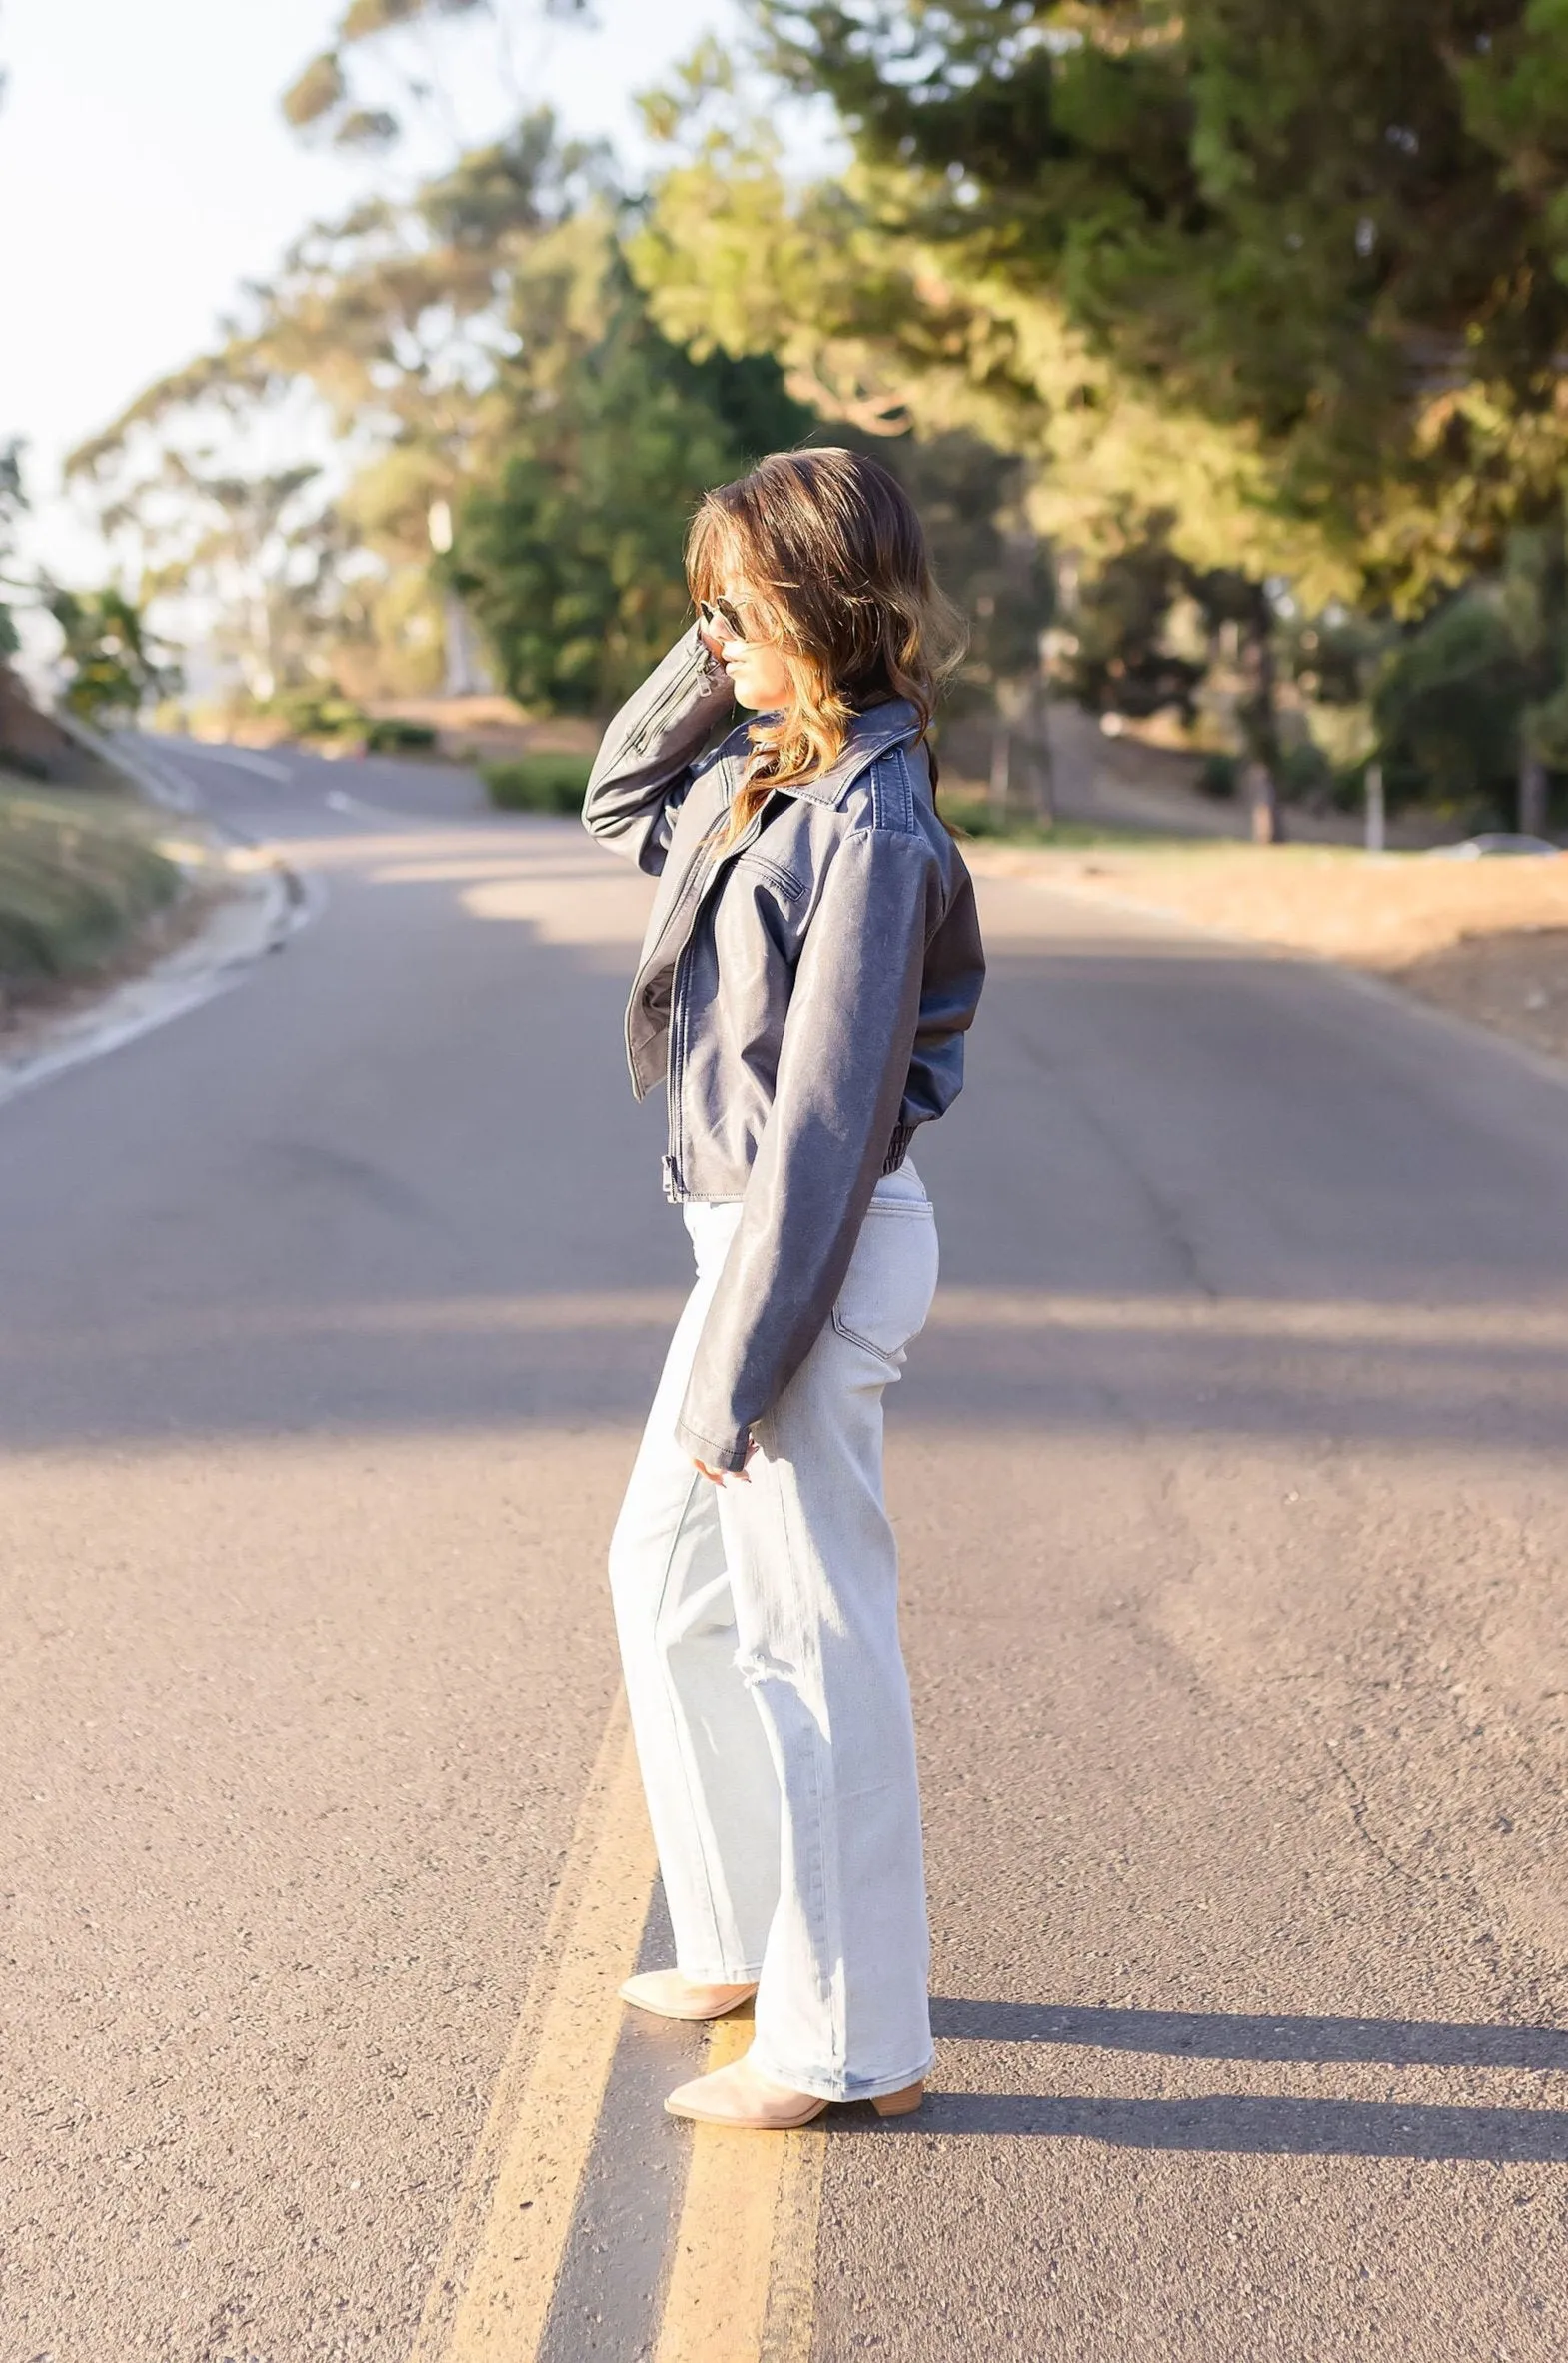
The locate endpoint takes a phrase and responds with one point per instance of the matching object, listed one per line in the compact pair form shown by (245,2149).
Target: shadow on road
(1265,2125)
(1182,2035)
(1256,2125)
(1187,1190)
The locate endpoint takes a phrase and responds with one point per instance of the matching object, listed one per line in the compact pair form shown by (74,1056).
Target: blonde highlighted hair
(832,556)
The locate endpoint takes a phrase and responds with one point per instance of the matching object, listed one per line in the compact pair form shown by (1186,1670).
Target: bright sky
(145,172)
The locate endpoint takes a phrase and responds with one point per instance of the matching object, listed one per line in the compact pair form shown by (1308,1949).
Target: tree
(390,51)
(384,332)
(1336,233)
(1294,279)
(13,500)
(480,352)
(109,661)
(571,559)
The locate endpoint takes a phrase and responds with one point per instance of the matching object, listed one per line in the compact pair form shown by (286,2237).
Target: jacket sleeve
(847,1040)
(644,765)
(954,974)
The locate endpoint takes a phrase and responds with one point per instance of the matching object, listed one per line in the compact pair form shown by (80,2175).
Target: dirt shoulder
(1486,940)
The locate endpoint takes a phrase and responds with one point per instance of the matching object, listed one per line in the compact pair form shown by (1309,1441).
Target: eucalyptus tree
(388,59)
(480,354)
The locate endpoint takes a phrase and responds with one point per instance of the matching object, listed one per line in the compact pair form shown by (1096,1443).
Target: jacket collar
(870,734)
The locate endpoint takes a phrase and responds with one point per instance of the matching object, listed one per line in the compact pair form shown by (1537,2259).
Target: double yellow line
(740,2283)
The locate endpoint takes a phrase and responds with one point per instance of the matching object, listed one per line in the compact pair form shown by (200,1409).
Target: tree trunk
(1001,768)
(1377,814)
(1260,726)
(1266,821)
(1022,786)
(1532,795)
(1043,760)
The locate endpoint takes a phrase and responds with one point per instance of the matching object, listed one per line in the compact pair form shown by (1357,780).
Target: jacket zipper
(652,723)
(674,1186)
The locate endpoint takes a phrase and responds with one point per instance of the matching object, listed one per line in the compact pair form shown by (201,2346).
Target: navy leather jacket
(803,995)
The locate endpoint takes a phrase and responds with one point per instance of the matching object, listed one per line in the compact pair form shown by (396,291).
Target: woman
(810,968)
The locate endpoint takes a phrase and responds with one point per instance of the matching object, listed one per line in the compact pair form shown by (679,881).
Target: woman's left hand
(716,1477)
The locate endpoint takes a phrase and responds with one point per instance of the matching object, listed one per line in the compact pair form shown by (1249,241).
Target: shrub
(318,714)
(391,736)
(1448,707)
(538,782)
(1305,774)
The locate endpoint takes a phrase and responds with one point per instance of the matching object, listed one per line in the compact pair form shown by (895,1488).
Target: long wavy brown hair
(829,553)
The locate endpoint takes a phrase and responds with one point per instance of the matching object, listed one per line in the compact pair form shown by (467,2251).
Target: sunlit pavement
(1230,1480)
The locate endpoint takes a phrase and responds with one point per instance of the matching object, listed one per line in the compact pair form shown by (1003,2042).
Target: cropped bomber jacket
(803,994)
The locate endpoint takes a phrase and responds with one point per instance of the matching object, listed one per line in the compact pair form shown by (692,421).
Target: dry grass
(1487,940)
(88,884)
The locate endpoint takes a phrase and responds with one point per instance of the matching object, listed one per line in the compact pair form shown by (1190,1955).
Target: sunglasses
(721,618)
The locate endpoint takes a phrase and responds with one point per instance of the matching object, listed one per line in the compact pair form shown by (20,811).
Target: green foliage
(572,560)
(1219,774)
(319,90)
(1448,708)
(318,713)
(390,735)
(988,560)
(538,782)
(397,319)
(1295,274)
(13,500)
(975,816)
(323,713)
(110,668)
(330,95)
(487,342)
(1117,654)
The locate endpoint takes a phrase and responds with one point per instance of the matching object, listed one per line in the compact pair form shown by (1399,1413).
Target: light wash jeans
(759,1638)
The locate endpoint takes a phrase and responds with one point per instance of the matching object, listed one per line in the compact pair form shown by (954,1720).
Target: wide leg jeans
(760,1640)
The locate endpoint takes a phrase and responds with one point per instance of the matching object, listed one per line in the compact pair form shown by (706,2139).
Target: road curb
(262,905)
(262,902)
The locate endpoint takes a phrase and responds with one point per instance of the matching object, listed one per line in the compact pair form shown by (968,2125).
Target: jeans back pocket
(887,1292)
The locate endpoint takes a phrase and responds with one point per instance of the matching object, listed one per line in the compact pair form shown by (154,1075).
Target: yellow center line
(491,2295)
(742,2278)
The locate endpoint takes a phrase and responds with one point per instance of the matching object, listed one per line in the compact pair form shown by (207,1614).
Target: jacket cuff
(730,1457)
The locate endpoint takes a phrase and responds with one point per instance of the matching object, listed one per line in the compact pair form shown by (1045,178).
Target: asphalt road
(1232,1491)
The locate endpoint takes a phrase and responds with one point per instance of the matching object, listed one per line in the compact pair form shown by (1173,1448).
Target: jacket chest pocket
(760,868)
(887,1291)
(759,921)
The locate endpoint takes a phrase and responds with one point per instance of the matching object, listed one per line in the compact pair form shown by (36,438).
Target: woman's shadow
(1265,2122)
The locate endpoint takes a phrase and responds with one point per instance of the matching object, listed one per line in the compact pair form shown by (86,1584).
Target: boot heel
(899,2105)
